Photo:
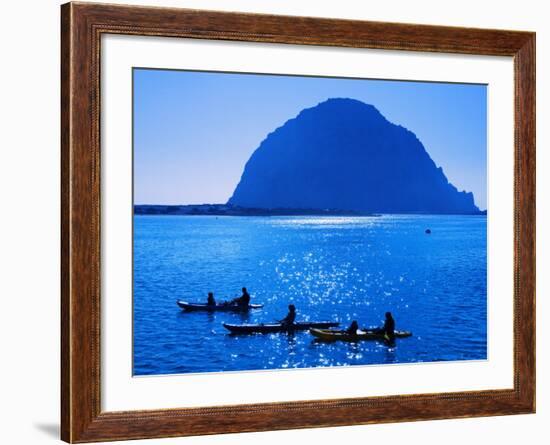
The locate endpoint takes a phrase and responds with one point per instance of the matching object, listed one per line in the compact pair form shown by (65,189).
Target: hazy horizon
(194,131)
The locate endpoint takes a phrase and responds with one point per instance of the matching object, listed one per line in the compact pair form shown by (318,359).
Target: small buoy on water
(428,231)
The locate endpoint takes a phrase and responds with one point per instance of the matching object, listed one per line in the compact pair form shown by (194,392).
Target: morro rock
(343,154)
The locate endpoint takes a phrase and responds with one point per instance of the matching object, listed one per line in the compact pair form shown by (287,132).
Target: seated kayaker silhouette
(389,327)
(290,317)
(353,327)
(211,301)
(242,301)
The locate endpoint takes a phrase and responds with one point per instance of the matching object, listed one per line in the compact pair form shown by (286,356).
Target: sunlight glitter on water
(347,268)
(325,221)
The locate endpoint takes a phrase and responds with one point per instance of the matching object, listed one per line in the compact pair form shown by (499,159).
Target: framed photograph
(274,222)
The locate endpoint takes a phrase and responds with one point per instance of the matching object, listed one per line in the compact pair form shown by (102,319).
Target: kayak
(220,307)
(333,335)
(268,328)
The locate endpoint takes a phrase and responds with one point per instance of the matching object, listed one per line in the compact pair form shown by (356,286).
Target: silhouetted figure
(242,301)
(389,327)
(211,301)
(352,330)
(290,317)
(428,231)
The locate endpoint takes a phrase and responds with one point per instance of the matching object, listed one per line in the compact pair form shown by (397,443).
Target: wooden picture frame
(82,25)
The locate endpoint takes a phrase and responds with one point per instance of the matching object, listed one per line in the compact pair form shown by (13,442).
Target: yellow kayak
(335,335)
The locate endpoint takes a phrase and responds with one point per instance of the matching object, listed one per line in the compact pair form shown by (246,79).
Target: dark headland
(341,157)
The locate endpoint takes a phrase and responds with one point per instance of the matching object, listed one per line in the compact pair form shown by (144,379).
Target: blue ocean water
(330,268)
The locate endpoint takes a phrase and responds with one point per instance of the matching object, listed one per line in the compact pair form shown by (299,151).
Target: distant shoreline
(229,210)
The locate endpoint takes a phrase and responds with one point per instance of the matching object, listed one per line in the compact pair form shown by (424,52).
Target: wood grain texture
(81,28)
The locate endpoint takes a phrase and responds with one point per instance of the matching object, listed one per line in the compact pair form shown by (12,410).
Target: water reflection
(331,268)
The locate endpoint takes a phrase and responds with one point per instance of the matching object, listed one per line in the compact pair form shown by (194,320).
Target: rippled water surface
(331,268)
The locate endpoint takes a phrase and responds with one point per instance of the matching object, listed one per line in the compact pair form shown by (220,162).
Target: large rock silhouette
(343,154)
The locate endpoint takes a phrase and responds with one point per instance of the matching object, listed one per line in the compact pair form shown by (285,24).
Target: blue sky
(194,131)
